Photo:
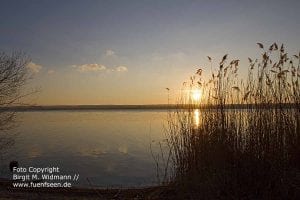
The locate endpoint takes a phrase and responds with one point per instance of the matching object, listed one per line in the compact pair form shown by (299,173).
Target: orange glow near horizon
(196,95)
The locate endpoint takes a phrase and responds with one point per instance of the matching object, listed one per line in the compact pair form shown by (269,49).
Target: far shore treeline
(147,107)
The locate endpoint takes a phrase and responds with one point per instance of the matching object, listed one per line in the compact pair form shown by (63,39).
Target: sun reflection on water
(196,118)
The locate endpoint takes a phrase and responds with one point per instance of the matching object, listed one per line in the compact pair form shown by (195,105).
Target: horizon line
(142,106)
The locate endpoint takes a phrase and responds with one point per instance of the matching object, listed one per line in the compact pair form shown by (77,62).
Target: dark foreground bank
(7,192)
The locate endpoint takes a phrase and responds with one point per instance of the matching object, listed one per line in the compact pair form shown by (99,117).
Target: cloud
(109,52)
(121,69)
(89,67)
(50,71)
(97,68)
(35,68)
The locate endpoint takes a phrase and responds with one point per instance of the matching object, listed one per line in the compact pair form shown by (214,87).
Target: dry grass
(249,153)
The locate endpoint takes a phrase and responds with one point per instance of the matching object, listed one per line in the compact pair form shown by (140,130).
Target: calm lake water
(110,148)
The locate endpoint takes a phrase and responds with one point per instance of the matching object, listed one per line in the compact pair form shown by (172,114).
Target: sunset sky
(128,52)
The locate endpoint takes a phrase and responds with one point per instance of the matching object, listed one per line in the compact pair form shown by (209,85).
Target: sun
(196,94)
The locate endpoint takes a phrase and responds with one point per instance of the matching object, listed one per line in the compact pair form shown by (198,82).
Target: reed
(249,153)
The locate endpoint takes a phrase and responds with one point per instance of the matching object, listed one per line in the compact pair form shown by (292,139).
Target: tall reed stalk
(242,139)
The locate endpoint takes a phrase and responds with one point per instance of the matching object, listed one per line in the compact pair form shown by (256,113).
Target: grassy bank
(252,153)
(8,192)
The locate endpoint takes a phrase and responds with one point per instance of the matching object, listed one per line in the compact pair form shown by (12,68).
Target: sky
(129,51)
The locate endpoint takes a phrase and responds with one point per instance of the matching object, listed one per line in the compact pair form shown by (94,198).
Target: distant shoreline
(143,107)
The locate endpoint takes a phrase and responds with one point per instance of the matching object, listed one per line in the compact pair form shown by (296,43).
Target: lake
(110,148)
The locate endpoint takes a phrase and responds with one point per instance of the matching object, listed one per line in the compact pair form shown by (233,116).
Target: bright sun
(196,95)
